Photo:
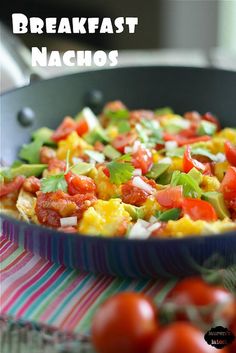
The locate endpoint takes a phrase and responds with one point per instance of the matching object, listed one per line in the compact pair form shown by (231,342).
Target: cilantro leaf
(54,183)
(30,152)
(190,185)
(120,172)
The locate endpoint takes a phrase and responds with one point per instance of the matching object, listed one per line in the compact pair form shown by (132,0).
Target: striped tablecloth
(39,292)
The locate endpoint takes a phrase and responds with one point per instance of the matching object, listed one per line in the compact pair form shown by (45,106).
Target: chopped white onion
(90,118)
(154,226)
(128,149)
(152,219)
(156,124)
(144,223)
(170,145)
(139,183)
(166,160)
(220,157)
(137,172)
(76,160)
(138,231)
(68,221)
(136,146)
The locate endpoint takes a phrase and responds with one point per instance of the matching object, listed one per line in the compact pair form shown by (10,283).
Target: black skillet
(49,101)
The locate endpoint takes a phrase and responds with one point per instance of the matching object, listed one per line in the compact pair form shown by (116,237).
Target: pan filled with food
(128,171)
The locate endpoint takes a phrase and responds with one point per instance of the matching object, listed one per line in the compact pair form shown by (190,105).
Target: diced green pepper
(82,168)
(172,214)
(206,128)
(157,170)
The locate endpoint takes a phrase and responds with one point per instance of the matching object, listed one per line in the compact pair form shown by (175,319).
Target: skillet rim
(188,238)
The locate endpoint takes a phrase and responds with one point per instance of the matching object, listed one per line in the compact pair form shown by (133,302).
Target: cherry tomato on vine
(125,323)
(182,337)
(195,291)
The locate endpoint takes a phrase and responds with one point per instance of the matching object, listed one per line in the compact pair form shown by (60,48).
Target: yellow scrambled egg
(75,144)
(106,218)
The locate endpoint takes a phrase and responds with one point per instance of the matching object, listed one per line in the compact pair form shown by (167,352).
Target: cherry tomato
(121,141)
(193,116)
(199,209)
(135,195)
(212,119)
(125,323)
(181,337)
(52,206)
(195,291)
(31,184)
(82,127)
(12,186)
(64,129)
(189,162)
(79,184)
(142,159)
(230,153)
(228,184)
(171,197)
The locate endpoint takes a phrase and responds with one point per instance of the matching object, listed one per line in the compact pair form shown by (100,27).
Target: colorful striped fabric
(36,290)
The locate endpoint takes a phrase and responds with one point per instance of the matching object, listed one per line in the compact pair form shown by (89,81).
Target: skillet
(45,103)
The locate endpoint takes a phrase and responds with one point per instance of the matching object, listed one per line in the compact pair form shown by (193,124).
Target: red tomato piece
(31,184)
(171,197)
(79,184)
(193,116)
(142,159)
(228,184)
(212,119)
(114,106)
(121,141)
(195,291)
(136,116)
(125,323)
(64,129)
(46,153)
(180,337)
(82,127)
(134,195)
(199,209)
(56,165)
(182,141)
(189,162)
(12,186)
(52,206)
(230,153)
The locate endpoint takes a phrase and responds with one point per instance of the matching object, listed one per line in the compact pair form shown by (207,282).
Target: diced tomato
(64,129)
(142,159)
(171,197)
(123,140)
(228,184)
(114,106)
(189,133)
(189,162)
(182,141)
(31,184)
(56,165)
(199,209)
(12,186)
(136,116)
(134,195)
(52,206)
(46,153)
(79,184)
(230,153)
(99,146)
(106,172)
(193,116)
(212,119)
(82,127)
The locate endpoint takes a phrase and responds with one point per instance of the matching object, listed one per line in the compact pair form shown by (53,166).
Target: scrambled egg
(106,218)
(150,207)
(75,144)
(177,164)
(186,227)
(105,189)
